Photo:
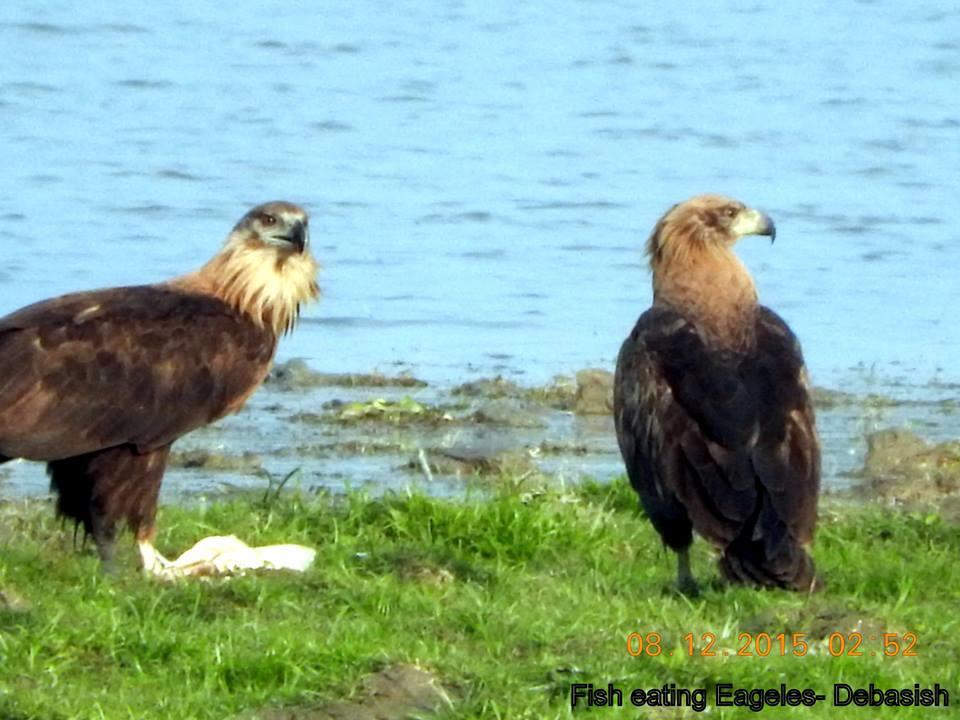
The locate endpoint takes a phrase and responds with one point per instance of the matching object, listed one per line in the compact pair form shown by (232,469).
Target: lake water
(482,176)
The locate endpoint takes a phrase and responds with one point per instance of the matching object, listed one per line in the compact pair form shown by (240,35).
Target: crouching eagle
(99,384)
(712,408)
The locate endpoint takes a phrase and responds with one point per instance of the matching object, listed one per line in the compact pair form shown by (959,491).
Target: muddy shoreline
(378,432)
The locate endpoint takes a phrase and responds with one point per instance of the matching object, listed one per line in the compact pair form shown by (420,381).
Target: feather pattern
(99,384)
(714,418)
(149,365)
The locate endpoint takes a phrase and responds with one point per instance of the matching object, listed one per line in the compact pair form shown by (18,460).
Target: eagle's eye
(268,220)
(730,211)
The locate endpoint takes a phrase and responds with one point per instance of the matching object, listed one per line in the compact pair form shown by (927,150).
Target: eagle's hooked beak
(297,236)
(754,222)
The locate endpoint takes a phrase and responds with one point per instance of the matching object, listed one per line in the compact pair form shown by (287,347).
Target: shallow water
(297,432)
(482,176)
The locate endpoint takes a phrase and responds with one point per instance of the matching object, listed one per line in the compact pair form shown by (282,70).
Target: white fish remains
(228,555)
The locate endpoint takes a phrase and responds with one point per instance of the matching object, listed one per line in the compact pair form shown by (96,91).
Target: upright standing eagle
(99,384)
(712,407)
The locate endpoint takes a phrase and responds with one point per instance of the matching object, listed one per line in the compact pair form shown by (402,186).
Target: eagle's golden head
(279,224)
(705,221)
(265,269)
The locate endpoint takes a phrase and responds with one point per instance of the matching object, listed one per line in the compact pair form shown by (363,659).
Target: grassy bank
(506,600)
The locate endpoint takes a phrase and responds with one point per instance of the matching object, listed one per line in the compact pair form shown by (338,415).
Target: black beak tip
(297,236)
(771,230)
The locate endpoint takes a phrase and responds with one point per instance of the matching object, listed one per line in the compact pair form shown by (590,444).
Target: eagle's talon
(153,563)
(686,582)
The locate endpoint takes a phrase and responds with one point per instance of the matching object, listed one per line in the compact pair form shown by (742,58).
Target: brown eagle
(712,406)
(99,384)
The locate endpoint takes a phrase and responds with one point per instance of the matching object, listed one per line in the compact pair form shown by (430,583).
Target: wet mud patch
(901,467)
(547,448)
(495,387)
(247,462)
(296,374)
(345,448)
(474,431)
(828,399)
(594,394)
(559,394)
(928,397)
(589,392)
(471,460)
(510,412)
(397,692)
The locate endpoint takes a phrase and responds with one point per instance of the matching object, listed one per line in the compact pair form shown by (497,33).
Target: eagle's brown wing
(786,455)
(721,441)
(684,423)
(137,365)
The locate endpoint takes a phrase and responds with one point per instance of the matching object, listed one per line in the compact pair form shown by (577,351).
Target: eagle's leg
(671,520)
(102,489)
(104,532)
(686,583)
(141,510)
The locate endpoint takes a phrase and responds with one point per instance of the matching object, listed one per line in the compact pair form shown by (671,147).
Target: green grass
(508,598)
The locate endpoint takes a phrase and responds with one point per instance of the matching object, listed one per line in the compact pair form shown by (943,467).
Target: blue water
(482,176)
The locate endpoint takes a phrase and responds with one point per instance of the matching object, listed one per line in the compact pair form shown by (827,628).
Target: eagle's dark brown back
(135,365)
(726,439)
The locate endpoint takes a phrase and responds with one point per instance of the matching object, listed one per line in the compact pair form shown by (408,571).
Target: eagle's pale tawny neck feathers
(714,290)
(696,272)
(263,282)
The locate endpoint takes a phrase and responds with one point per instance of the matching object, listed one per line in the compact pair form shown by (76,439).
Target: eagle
(99,384)
(712,406)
